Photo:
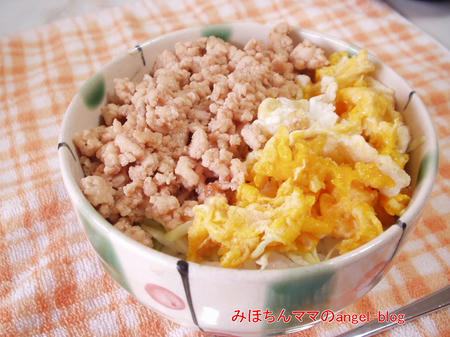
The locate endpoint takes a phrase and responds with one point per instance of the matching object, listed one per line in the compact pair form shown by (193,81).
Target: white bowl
(208,297)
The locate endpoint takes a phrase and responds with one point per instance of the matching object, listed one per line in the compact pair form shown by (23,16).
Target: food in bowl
(257,157)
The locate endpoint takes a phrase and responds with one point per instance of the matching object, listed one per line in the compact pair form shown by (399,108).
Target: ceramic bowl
(240,302)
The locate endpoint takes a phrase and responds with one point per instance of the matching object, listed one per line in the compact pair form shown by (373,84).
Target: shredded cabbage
(179,246)
(178,232)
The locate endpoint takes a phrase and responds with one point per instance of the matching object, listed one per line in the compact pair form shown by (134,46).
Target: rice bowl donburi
(261,157)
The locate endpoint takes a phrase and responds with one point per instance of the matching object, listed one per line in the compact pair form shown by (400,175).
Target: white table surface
(18,15)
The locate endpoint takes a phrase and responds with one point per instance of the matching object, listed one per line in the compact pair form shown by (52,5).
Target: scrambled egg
(332,167)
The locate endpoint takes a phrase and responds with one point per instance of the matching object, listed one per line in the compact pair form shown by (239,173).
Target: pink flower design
(164,297)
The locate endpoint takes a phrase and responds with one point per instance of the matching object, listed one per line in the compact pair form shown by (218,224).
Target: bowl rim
(414,209)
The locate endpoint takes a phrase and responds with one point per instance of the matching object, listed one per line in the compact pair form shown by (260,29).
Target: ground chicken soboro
(182,133)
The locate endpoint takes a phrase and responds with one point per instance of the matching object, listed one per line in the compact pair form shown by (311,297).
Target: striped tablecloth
(51,282)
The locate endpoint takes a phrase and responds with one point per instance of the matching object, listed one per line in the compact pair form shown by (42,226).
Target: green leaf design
(302,291)
(353,51)
(105,249)
(429,162)
(222,31)
(93,91)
